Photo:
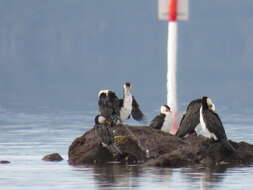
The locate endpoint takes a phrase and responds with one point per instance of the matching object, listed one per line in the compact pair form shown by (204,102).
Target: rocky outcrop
(156,148)
(52,157)
(4,162)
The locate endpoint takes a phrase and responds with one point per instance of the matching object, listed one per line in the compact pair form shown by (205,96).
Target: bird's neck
(163,115)
(127,93)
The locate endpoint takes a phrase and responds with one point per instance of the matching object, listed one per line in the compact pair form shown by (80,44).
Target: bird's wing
(181,130)
(182,119)
(97,132)
(188,123)
(104,134)
(114,103)
(190,119)
(103,108)
(121,101)
(214,124)
(136,112)
(194,106)
(157,122)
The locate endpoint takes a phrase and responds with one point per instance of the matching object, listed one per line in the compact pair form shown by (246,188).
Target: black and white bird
(162,121)
(119,109)
(190,119)
(109,105)
(104,134)
(211,123)
(129,105)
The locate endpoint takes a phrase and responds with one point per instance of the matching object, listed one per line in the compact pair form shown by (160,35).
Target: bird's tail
(228,145)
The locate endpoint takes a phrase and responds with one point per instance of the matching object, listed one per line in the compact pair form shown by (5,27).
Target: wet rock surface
(152,147)
(52,157)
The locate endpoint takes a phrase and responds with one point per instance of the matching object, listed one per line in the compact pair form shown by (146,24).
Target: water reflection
(209,178)
(116,175)
(121,176)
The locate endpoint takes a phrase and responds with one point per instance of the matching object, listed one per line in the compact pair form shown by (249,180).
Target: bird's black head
(126,87)
(111,95)
(207,103)
(165,109)
(204,102)
(103,93)
(128,84)
(166,106)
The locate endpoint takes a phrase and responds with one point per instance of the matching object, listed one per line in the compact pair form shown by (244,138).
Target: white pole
(172,66)
(172,72)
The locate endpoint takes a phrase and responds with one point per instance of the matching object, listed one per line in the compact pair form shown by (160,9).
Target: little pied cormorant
(211,123)
(162,120)
(109,105)
(104,133)
(129,105)
(190,119)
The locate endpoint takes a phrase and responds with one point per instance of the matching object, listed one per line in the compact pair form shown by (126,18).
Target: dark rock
(4,162)
(86,149)
(157,148)
(53,157)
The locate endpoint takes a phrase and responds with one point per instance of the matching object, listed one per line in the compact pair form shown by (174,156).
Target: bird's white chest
(167,123)
(205,131)
(126,110)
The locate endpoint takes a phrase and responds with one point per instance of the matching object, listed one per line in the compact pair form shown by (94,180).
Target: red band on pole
(172,10)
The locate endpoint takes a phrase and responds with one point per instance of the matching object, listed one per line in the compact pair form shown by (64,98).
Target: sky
(61,52)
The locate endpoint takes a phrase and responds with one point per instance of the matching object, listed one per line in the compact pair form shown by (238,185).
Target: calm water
(29,134)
